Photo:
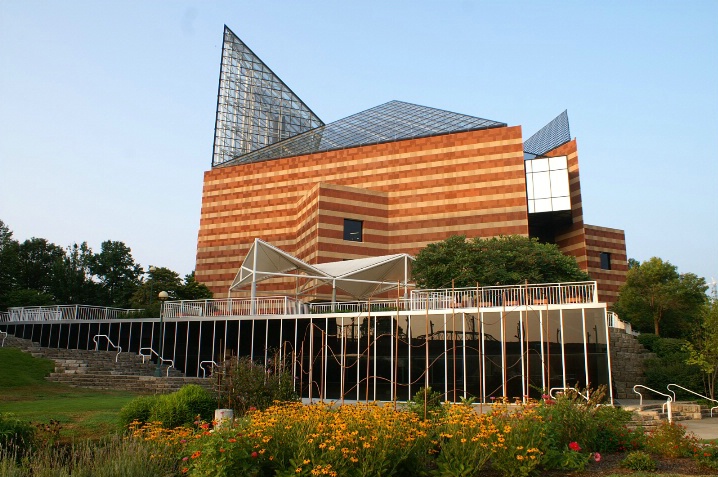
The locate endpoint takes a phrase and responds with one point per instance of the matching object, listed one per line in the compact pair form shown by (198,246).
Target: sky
(107,108)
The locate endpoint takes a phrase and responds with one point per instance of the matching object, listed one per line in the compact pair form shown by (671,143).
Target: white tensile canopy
(360,278)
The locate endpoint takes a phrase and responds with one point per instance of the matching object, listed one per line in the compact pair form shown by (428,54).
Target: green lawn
(82,413)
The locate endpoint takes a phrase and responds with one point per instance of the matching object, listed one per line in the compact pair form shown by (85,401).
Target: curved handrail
(551,391)
(692,392)
(4,335)
(204,371)
(667,404)
(118,348)
(162,360)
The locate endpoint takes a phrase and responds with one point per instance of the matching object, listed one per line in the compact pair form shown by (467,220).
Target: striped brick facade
(407,194)
(613,242)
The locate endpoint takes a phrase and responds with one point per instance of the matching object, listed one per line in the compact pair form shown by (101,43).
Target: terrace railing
(4,316)
(359,306)
(274,305)
(505,296)
(70,312)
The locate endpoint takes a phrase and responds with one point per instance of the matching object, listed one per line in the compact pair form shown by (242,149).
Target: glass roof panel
(392,121)
(254,107)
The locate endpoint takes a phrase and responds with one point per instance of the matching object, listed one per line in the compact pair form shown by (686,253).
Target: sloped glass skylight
(392,121)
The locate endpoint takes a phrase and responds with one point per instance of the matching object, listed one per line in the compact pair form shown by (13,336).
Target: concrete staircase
(107,369)
(627,357)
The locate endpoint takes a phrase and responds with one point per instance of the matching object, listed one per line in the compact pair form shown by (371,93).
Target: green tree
(657,298)
(505,260)
(191,289)
(158,279)
(9,263)
(20,297)
(72,278)
(704,347)
(117,272)
(37,259)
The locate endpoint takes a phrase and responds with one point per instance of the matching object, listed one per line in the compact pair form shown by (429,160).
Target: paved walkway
(706,428)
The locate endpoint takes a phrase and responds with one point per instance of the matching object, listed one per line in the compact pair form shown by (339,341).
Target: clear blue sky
(107,108)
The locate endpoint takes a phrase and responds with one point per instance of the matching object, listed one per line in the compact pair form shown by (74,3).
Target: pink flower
(254,455)
(597,457)
(574,446)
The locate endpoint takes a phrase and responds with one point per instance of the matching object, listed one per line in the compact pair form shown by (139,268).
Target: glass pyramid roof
(549,137)
(254,106)
(392,121)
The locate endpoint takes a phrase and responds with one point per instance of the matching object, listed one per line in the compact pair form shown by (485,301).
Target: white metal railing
(160,358)
(505,296)
(109,341)
(4,316)
(273,305)
(204,370)
(615,322)
(358,306)
(666,405)
(70,312)
(4,335)
(692,392)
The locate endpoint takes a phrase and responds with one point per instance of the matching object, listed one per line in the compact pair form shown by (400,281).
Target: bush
(244,384)
(433,408)
(708,456)
(172,410)
(670,440)
(639,460)
(669,365)
(648,340)
(139,409)
(15,434)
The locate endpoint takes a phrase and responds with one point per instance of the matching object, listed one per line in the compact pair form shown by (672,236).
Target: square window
(605,261)
(353,230)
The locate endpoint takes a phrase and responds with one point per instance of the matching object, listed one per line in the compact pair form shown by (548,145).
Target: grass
(82,413)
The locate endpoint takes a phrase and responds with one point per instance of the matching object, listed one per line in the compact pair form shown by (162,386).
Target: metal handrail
(666,405)
(162,360)
(550,392)
(692,392)
(204,371)
(118,348)
(4,333)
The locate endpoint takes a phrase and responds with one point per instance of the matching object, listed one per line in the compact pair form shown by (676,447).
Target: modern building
(385,181)
(306,236)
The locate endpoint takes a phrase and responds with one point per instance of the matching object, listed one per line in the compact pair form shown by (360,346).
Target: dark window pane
(605,261)
(353,230)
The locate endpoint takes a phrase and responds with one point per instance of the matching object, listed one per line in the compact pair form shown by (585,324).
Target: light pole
(151,272)
(162,296)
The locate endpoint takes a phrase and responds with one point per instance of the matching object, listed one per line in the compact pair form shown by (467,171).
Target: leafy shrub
(708,456)
(669,365)
(639,460)
(568,460)
(648,340)
(433,407)
(172,410)
(139,409)
(244,384)
(571,418)
(671,440)
(15,434)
